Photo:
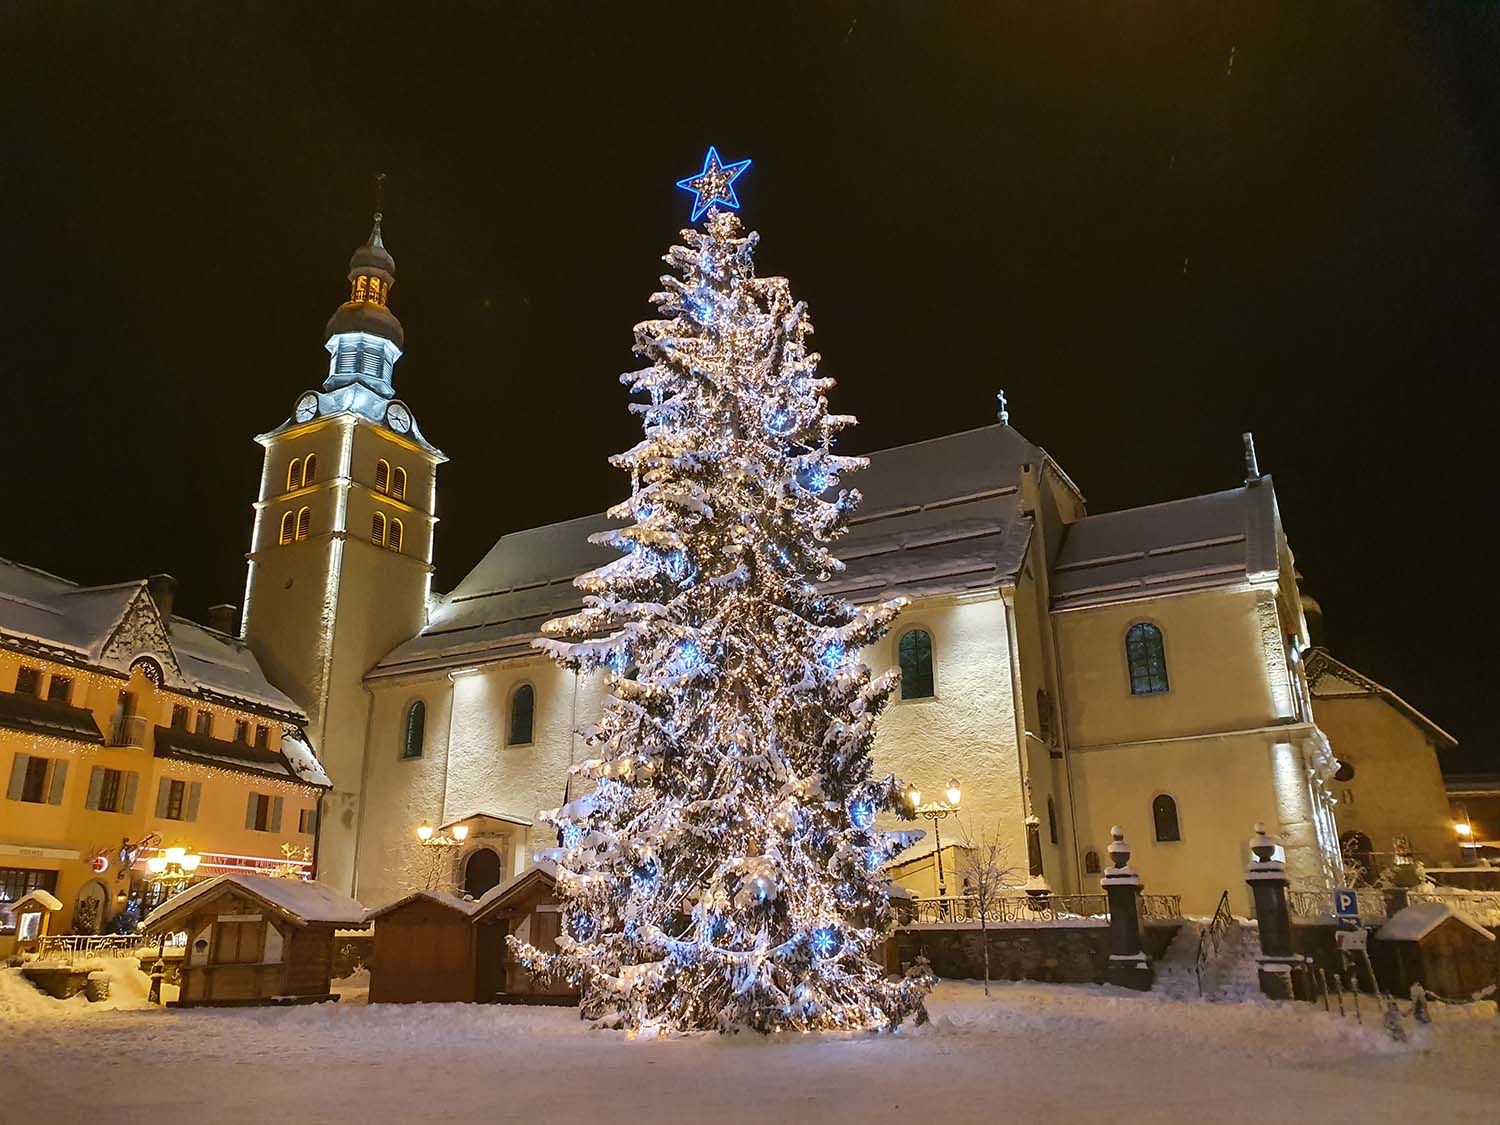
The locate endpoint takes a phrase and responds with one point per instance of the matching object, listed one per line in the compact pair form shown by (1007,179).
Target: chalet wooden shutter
(17,776)
(59,782)
(96,783)
(132,783)
(275,825)
(163,796)
(250,810)
(195,790)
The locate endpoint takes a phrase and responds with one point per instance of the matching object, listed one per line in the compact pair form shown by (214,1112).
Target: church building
(1070,671)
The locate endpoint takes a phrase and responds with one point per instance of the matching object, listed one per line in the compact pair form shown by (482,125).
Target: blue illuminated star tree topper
(715,184)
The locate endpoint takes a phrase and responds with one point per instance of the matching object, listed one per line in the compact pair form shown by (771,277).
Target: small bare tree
(986,873)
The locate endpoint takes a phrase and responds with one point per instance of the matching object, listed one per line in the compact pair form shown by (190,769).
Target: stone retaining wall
(1042,951)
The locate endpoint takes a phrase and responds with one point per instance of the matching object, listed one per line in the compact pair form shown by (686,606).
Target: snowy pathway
(1032,1053)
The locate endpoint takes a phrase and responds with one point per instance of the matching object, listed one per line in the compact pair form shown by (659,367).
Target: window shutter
(312,821)
(275,825)
(96,783)
(250,811)
(17,776)
(398,484)
(132,783)
(59,782)
(163,795)
(304,522)
(194,790)
(382,476)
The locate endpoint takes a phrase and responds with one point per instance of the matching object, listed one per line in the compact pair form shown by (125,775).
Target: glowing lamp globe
(156,864)
(460,832)
(191,861)
(424,832)
(1464,829)
(176,855)
(954,793)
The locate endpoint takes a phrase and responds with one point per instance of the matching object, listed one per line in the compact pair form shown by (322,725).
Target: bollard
(1323,987)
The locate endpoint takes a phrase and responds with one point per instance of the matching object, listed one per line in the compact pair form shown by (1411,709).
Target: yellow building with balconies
(125,731)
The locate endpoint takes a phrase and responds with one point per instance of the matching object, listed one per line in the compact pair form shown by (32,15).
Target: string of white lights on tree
(725,870)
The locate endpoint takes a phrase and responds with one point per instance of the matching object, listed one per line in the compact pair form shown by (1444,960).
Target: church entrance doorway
(481,872)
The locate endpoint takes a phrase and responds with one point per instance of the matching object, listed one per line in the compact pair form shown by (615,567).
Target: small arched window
(522,710)
(1091,863)
(393,535)
(294,474)
(382,475)
(915,653)
(398,483)
(309,469)
(1164,819)
(288,526)
(377,529)
(361,287)
(304,522)
(1147,658)
(1052,819)
(414,730)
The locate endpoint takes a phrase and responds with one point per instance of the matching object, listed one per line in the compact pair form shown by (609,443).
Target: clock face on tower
(307,408)
(398,417)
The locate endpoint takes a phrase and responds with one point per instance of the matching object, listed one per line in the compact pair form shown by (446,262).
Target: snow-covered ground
(1031,1053)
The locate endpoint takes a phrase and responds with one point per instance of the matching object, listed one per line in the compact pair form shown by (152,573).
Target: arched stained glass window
(522,708)
(915,653)
(1147,658)
(1164,819)
(415,730)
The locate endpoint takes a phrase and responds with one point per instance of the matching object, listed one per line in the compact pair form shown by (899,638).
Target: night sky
(1155,225)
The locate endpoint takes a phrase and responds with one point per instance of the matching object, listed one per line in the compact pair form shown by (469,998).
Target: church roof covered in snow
(1222,538)
(938,517)
(109,627)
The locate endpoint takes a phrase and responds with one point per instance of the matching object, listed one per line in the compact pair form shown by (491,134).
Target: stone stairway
(1232,975)
(1175,976)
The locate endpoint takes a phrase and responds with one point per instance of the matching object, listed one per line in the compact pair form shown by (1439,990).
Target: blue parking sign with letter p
(1345,903)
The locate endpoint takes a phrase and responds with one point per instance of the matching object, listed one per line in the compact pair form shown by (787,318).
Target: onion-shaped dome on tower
(372,274)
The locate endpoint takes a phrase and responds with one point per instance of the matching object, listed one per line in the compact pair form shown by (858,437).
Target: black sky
(1155,225)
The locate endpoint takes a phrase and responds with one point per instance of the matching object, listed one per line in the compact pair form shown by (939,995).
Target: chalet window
(176,790)
(263,813)
(915,652)
(205,722)
(304,522)
(60,690)
(242,732)
(1091,863)
(178,800)
(33,789)
(239,943)
(414,731)
(307,821)
(382,475)
(109,791)
(398,483)
(522,708)
(288,528)
(262,736)
(1164,819)
(28,681)
(179,717)
(1147,658)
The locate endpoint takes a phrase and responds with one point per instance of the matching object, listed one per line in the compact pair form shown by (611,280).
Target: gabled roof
(1222,538)
(302,902)
(544,871)
(1329,678)
(938,517)
(1414,922)
(464,906)
(107,627)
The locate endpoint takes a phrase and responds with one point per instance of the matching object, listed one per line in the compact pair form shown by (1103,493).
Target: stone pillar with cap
(1129,966)
(1283,974)
(1036,882)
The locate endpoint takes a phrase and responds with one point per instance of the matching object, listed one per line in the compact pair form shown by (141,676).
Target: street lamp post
(937,811)
(438,868)
(173,869)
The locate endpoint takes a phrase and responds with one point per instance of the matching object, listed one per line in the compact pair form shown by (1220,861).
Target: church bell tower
(340,563)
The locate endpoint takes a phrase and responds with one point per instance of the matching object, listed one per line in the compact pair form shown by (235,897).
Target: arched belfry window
(414,730)
(393,536)
(309,469)
(288,526)
(377,529)
(398,483)
(294,474)
(382,475)
(1164,819)
(1147,657)
(522,715)
(304,522)
(915,654)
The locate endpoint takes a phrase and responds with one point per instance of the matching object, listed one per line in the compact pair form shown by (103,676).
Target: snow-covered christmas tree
(725,870)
